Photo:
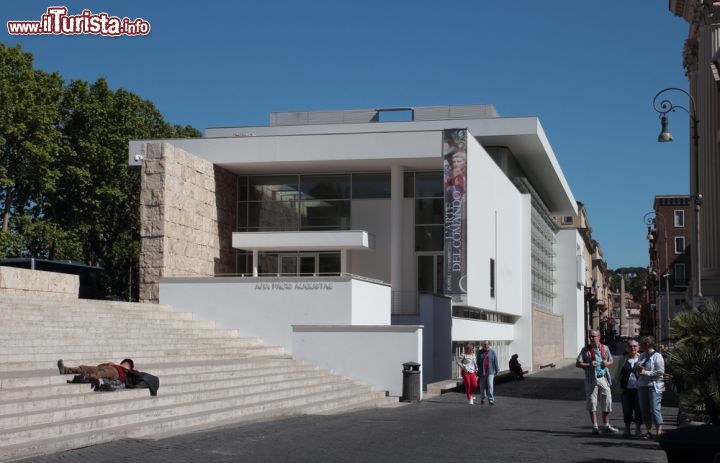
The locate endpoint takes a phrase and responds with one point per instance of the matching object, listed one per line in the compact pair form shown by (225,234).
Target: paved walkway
(540,419)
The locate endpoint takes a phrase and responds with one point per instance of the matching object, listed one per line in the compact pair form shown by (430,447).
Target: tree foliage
(635,280)
(695,360)
(66,190)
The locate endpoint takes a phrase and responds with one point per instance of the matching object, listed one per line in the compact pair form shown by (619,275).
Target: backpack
(602,355)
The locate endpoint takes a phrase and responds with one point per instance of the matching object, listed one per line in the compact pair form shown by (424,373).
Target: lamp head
(665,135)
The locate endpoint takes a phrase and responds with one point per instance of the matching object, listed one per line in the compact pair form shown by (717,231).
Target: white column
(343,262)
(397,174)
(255,262)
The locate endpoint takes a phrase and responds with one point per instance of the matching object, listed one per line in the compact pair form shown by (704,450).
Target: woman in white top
(650,369)
(468,370)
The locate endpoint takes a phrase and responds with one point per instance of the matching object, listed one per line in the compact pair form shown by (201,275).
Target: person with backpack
(627,384)
(595,358)
(650,369)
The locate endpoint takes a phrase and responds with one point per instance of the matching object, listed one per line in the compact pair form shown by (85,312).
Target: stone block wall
(187,216)
(548,342)
(25,282)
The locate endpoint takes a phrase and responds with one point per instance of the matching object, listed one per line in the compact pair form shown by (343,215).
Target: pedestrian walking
(468,369)
(487,364)
(650,369)
(595,358)
(627,385)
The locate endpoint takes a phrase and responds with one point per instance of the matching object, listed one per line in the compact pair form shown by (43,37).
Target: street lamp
(650,220)
(663,107)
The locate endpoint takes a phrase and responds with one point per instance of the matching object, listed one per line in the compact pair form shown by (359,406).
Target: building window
(679,218)
(366,186)
(680,274)
(567,220)
(679,244)
(429,213)
(492,277)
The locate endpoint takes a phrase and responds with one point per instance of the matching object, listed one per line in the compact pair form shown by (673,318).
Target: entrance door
(430,273)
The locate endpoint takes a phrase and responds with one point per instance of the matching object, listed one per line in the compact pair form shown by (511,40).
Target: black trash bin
(411,382)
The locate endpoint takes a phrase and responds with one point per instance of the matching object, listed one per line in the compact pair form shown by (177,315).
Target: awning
(336,240)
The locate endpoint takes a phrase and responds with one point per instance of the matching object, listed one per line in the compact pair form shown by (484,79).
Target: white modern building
(396,234)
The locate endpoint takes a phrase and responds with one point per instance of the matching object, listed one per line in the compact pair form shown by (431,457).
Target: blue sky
(589,70)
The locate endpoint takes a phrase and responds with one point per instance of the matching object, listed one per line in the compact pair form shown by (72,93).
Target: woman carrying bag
(626,383)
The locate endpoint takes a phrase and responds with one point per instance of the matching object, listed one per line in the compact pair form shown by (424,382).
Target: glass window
(242,210)
(267,264)
(492,277)
(370,186)
(429,211)
(243,263)
(329,263)
(328,214)
(242,183)
(409,184)
(273,188)
(325,186)
(680,274)
(429,185)
(281,215)
(679,244)
(426,275)
(429,238)
(679,218)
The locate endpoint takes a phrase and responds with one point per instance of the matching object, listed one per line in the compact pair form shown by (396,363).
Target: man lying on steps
(108,370)
(125,372)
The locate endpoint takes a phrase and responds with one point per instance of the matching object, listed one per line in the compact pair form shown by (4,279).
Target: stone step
(104,403)
(28,303)
(164,427)
(116,325)
(88,346)
(208,376)
(17,399)
(141,359)
(149,411)
(93,333)
(50,377)
(7,316)
(129,352)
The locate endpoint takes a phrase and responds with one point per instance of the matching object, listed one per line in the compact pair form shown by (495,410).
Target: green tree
(97,197)
(66,190)
(695,360)
(29,139)
(635,281)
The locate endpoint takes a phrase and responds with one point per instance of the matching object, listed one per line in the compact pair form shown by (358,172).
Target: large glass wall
(543,262)
(301,202)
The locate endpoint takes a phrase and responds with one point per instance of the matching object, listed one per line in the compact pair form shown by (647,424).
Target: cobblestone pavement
(539,419)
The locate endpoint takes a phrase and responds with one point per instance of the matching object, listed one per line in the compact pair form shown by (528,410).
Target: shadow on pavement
(572,389)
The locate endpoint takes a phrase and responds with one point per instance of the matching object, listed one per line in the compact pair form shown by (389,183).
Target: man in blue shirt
(487,365)
(595,358)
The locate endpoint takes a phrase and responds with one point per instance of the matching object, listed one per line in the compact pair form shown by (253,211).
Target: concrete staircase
(208,377)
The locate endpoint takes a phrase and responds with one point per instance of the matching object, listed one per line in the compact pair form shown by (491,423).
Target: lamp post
(663,107)
(650,220)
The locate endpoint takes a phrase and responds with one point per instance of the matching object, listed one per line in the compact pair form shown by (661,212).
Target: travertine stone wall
(548,339)
(25,282)
(187,216)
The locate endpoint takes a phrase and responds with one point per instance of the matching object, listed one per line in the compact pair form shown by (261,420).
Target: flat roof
(375,146)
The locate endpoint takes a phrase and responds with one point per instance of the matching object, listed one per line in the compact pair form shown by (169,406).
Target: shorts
(600,394)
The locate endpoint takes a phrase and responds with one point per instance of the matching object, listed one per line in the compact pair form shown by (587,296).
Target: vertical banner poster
(454,151)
